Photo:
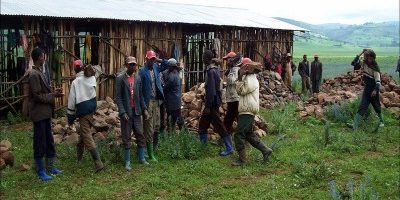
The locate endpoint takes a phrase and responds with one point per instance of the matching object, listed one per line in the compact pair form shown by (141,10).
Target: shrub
(350,191)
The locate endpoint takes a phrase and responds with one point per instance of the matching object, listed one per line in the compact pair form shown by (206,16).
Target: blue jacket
(123,97)
(213,87)
(172,90)
(144,73)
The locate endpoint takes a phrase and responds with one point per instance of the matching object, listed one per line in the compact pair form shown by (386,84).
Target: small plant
(182,145)
(308,174)
(364,191)
(62,112)
(15,118)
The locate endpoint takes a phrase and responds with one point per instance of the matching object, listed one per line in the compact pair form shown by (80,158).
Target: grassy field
(336,57)
(310,160)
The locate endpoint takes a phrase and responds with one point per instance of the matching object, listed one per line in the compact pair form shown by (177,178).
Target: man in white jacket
(247,88)
(82,105)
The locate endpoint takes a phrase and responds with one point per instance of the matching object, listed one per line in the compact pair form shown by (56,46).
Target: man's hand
(125,117)
(146,115)
(206,111)
(241,73)
(58,92)
(158,60)
(374,93)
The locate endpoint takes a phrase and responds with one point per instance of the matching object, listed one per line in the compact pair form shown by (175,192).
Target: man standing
(212,101)
(232,97)
(288,70)
(131,106)
(173,94)
(41,108)
(153,94)
(316,74)
(82,105)
(398,66)
(304,71)
(247,87)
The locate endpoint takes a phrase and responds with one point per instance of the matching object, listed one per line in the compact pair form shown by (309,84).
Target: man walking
(212,101)
(41,108)
(247,88)
(232,97)
(82,105)
(131,107)
(304,71)
(316,74)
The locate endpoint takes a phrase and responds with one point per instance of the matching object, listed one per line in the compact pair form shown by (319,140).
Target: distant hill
(385,34)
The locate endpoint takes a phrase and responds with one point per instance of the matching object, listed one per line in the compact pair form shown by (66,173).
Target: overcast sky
(314,11)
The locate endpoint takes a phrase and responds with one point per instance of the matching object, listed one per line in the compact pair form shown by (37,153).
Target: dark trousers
(315,85)
(305,84)
(175,117)
(212,118)
(134,123)
(231,115)
(43,142)
(244,132)
(366,99)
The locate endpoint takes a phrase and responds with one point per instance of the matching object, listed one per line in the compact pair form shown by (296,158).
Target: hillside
(385,34)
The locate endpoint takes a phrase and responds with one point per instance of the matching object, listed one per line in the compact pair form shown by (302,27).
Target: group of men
(315,75)
(141,95)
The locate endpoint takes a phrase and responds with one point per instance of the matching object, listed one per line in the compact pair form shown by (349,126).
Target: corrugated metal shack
(105,32)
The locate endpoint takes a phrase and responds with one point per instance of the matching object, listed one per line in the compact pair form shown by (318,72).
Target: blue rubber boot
(228,146)
(53,168)
(41,171)
(141,156)
(203,138)
(127,158)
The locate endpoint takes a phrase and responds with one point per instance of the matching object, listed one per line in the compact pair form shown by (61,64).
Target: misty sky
(313,11)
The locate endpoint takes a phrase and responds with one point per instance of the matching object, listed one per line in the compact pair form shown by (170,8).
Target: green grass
(301,166)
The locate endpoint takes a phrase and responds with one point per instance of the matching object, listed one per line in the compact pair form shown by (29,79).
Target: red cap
(150,54)
(245,61)
(229,55)
(78,64)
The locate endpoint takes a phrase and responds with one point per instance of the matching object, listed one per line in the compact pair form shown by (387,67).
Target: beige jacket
(248,91)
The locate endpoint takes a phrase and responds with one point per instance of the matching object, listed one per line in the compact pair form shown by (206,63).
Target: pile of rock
(193,105)
(6,155)
(348,87)
(273,92)
(106,121)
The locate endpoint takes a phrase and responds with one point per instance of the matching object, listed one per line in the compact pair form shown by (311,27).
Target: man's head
(370,56)
(289,56)
(150,58)
(130,63)
(316,57)
(172,63)
(304,57)
(207,57)
(38,56)
(78,66)
(229,58)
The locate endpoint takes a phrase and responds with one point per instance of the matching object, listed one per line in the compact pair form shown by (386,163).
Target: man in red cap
(153,95)
(131,107)
(82,105)
(232,98)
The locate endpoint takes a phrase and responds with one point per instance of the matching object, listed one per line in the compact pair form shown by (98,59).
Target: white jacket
(248,91)
(231,94)
(82,95)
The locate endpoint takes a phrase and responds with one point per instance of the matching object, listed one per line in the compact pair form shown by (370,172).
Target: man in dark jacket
(82,104)
(173,94)
(153,94)
(41,108)
(304,71)
(212,101)
(131,106)
(398,66)
(316,74)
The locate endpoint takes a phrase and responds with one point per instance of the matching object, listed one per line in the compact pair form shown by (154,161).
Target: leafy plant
(15,118)
(362,192)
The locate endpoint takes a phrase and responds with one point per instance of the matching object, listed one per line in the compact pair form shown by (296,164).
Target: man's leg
(39,139)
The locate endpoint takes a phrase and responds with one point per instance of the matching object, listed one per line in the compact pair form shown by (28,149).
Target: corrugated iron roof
(150,11)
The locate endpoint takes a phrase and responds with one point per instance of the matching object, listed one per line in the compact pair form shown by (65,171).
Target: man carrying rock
(212,101)
(304,71)
(232,97)
(288,70)
(316,74)
(372,81)
(82,105)
(131,107)
(247,88)
(41,109)
(153,94)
